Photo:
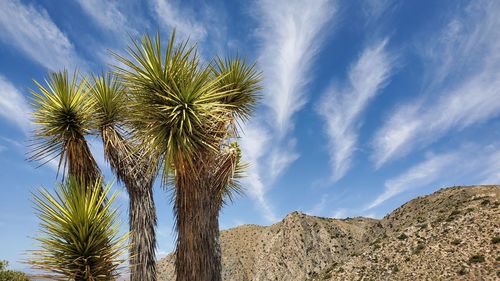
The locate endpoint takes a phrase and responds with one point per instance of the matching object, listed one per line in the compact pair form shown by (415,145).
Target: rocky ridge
(452,234)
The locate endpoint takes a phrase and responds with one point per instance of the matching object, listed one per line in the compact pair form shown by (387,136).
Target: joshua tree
(184,115)
(68,110)
(110,100)
(80,239)
(64,115)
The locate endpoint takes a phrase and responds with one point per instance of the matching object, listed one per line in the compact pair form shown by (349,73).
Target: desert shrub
(402,236)
(456,242)
(419,249)
(476,259)
(462,271)
(453,215)
(11,275)
(495,240)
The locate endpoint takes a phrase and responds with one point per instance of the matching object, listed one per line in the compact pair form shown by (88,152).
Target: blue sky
(366,104)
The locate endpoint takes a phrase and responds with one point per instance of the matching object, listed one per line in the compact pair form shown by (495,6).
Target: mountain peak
(452,233)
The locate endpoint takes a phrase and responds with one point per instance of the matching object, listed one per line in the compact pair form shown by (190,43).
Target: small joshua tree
(80,237)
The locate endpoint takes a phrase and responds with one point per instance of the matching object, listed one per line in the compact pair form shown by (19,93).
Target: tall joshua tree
(129,165)
(63,117)
(184,114)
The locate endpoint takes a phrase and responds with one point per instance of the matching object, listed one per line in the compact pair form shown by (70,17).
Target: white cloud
(13,106)
(15,109)
(290,35)
(319,207)
(468,164)
(491,172)
(31,29)
(109,16)
(280,158)
(340,213)
(419,175)
(253,143)
(463,90)
(341,108)
(374,9)
(185,23)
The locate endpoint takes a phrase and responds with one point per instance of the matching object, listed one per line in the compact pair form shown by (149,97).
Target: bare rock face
(452,234)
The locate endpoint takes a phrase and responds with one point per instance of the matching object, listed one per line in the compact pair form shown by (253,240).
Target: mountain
(452,234)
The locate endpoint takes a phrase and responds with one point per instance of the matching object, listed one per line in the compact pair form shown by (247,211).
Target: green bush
(476,259)
(495,240)
(402,236)
(11,275)
(462,271)
(418,249)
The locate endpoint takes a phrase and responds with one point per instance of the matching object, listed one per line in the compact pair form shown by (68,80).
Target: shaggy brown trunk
(142,220)
(80,162)
(198,202)
(130,168)
(197,222)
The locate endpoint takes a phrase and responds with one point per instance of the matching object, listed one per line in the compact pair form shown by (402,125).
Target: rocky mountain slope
(453,234)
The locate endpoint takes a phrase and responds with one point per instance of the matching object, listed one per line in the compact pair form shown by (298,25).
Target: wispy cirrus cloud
(109,15)
(463,87)
(472,163)
(31,29)
(490,174)
(15,109)
(13,106)
(341,108)
(290,34)
(374,9)
(170,15)
(253,145)
(319,207)
(419,175)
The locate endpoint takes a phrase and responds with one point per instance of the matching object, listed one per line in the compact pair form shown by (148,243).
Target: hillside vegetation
(452,234)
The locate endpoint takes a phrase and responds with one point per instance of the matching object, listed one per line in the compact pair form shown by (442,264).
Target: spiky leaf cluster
(80,237)
(180,108)
(63,116)
(110,100)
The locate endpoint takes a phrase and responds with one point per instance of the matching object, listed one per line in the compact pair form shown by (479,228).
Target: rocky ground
(453,234)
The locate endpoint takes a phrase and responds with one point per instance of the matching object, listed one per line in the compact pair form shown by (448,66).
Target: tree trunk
(80,162)
(197,222)
(142,220)
(131,168)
